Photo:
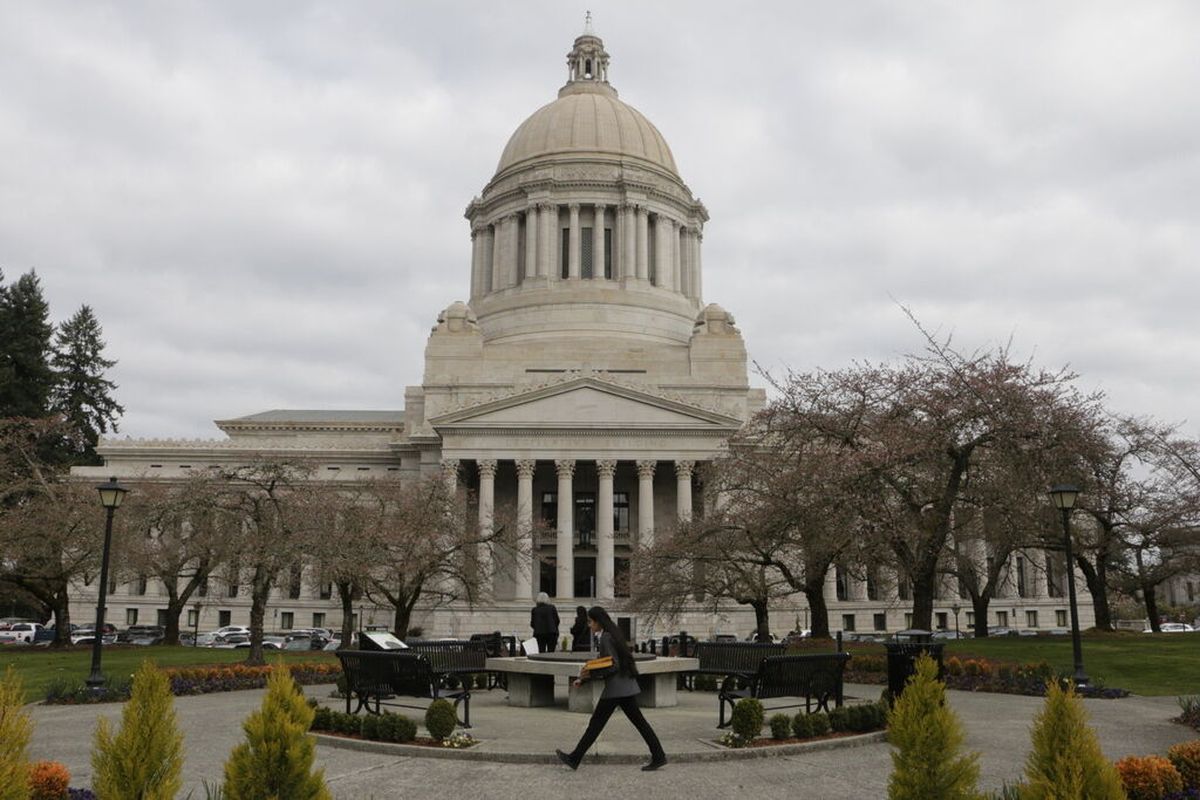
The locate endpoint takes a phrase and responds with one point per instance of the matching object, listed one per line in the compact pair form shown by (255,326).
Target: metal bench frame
(380,675)
(815,677)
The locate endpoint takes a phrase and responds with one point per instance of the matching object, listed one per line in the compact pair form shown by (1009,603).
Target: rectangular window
(842,582)
(1060,618)
(318,619)
(585,253)
(585,520)
(872,586)
(1191,587)
(908,620)
(162,617)
(295,584)
(608,253)
(231,581)
(881,622)
(1031,620)
(847,622)
(903,590)
(565,265)
(224,618)
(1002,619)
(621,512)
(287,620)
(970,619)
(193,618)
(943,621)
(1021,578)
(550,509)
(1051,580)
(326,590)
(131,616)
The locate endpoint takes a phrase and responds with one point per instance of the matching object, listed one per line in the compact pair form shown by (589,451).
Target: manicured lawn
(1147,664)
(38,666)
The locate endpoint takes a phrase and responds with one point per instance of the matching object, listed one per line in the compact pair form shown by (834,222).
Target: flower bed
(385,727)
(193,680)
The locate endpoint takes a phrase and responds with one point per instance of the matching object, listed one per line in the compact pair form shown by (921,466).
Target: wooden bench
(817,678)
(386,675)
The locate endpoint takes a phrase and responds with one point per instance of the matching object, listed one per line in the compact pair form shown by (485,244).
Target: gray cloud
(264,201)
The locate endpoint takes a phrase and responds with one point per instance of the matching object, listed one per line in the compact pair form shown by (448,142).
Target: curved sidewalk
(997,726)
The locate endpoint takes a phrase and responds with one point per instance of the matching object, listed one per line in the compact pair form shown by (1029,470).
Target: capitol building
(583,384)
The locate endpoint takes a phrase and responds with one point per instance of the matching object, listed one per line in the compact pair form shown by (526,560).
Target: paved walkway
(997,726)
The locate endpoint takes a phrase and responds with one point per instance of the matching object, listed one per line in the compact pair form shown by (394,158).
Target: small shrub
(1186,758)
(370,727)
(276,760)
(15,730)
(144,759)
(839,719)
(780,725)
(397,728)
(747,718)
(954,666)
(440,719)
(347,723)
(322,718)
(927,737)
(1066,761)
(48,780)
(802,727)
(820,724)
(1148,777)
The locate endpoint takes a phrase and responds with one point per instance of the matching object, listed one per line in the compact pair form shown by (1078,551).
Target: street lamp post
(1064,496)
(956,608)
(196,625)
(111,495)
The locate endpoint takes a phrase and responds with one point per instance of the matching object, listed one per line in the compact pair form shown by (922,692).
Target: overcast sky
(264,201)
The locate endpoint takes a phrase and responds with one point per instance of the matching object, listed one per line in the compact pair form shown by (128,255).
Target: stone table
(531,679)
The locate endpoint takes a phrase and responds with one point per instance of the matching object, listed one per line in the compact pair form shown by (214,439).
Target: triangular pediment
(587,403)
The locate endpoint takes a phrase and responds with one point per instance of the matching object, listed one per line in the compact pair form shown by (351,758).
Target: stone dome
(587,120)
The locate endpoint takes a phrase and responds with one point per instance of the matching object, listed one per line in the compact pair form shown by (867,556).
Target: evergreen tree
(144,760)
(1066,762)
(81,393)
(26,377)
(927,736)
(15,730)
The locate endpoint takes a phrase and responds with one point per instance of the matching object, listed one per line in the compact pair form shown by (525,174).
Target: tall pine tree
(26,377)
(81,393)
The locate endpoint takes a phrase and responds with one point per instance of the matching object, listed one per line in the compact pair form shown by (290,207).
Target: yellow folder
(604,662)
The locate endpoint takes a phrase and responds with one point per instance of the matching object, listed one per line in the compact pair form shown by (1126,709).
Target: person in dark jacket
(620,691)
(581,631)
(544,621)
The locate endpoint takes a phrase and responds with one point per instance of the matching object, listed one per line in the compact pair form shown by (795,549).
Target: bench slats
(816,677)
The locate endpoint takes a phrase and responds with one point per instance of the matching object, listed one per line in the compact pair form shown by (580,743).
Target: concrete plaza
(997,726)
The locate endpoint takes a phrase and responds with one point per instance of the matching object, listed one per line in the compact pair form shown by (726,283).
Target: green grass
(1147,664)
(38,666)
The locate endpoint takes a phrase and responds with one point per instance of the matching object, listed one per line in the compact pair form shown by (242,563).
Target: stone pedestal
(529,691)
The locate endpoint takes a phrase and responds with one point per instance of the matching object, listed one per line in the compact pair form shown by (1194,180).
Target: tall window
(872,586)
(652,263)
(585,252)
(1021,587)
(943,621)
(326,592)
(296,580)
(1031,618)
(550,509)
(608,253)
(131,615)
(202,588)
(1052,587)
(193,618)
(621,512)
(843,585)
(1060,618)
(565,264)
(142,583)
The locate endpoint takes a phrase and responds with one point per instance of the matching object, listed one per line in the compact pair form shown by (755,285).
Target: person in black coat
(581,631)
(620,691)
(544,621)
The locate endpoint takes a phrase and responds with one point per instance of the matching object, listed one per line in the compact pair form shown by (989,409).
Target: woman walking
(620,691)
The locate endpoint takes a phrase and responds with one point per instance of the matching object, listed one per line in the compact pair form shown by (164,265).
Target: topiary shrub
(48,780)
(1148,777)
(927,738)
(440,719)
(802,727)
(144,759)
(276,760)
(1066,760)
(747,719)
(15,730)
(1186,758)
(839,719)
(780,725)
(369,728)
(819,723)
(397,728)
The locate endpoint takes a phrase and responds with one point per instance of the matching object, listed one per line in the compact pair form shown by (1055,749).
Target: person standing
(581,631)
(544,621)
(620,691)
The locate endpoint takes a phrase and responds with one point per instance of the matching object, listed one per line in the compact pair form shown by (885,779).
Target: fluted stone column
(531,242)
(683,489)
(605,566)
(697,274)
(476,260)
(499,231)
(565,550)
(643,244)
(486,267)
(629,238)
(598,242)
(685,260)
(450,475)
(1041,584)
(676,261)
(487,515)
(645,471)
(830,590)
(548,233)
(662,252)
(526,548)
(573,245)
(512,265)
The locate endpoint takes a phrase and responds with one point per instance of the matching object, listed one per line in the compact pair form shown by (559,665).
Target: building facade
(584,384)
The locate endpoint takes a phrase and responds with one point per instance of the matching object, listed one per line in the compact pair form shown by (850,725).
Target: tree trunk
(62,619)
(1096,578)
(979,605)
(922,599)
(817,611)
(1150,597)
(260,590)
(346,595)
(402,620)
(762,621)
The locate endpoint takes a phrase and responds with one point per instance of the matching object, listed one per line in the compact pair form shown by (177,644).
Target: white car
(20,633)
(242,630)
(1167,627)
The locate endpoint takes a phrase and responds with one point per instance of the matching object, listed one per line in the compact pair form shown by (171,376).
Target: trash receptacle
(902,657)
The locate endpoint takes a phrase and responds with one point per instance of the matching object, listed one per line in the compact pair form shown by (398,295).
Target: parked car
(1166,627)
(233,629)
(45,637)
(951,635)
(86,634)
(20,633)
(8,622)
(725,637)
(269,643)
(142,635)
(305,640)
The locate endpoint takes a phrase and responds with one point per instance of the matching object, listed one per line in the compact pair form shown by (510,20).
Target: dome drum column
(531,243)
(643,244)
(662,256)
(546,230)
(573,247)
(598,242)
